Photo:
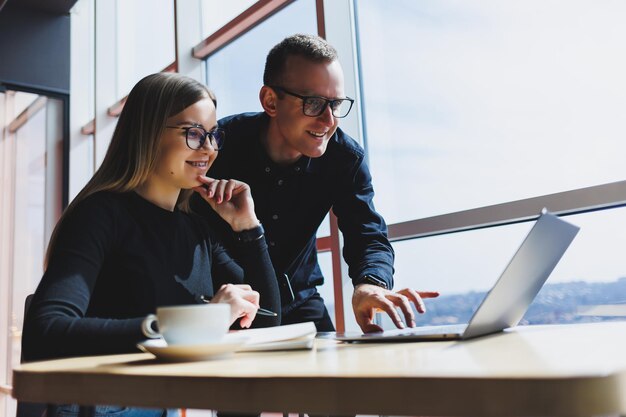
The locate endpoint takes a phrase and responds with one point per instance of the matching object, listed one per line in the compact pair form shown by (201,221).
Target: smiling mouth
(198,164)
(317,134)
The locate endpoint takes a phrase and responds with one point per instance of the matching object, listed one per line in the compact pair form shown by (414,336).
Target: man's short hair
(310,47)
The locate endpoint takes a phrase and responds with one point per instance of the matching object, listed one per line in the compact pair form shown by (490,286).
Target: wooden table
(565,370)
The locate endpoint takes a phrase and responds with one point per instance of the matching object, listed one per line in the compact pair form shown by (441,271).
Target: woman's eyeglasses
(314,106)
(196,137)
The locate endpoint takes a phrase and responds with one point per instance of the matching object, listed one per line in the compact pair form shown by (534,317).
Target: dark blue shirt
(292,201)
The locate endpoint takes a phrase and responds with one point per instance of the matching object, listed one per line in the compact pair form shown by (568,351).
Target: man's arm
(367,249)
(370,256)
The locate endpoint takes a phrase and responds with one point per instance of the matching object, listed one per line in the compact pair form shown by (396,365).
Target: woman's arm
(55,324)
(254,268)
(232,200)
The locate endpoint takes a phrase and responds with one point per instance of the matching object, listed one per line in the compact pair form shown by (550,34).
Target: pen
(260,311)
(265,312)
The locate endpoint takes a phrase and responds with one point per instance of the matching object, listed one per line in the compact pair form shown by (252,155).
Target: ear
(268,98)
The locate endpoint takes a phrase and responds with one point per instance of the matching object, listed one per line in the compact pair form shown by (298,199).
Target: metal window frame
(577,201)
(11,128)
(240,25)
(24,116)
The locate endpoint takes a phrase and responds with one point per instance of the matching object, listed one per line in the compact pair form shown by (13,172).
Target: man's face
(298,134)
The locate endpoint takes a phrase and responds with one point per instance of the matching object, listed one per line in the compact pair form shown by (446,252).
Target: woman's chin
(195,183)
(191,186)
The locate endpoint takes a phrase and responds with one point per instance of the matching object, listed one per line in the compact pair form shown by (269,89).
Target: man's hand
(368,298)
(231,199)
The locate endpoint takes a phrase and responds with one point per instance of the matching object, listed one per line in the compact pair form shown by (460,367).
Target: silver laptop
(510,297)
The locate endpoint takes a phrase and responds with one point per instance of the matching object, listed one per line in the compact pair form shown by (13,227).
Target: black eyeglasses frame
(327,102)
(212,134)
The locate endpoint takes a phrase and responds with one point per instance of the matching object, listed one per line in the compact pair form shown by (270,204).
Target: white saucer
(178,353)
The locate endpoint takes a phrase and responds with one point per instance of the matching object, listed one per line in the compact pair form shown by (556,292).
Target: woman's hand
(231,199)
(243,300)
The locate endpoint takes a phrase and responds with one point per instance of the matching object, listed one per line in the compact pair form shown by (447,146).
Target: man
(299,165)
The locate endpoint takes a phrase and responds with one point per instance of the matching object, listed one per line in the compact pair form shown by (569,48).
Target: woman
(127,244)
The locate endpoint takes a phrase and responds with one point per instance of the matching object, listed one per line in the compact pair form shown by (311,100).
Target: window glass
(29,214)
(5,399)
(145,40)
(327,291)
(463,266)
(468,104)
(22,101)
(324,229)
(235,72)
(30,202)
(216,13)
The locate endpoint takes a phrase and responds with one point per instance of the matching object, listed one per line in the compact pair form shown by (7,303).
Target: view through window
(480,103)
(469,104)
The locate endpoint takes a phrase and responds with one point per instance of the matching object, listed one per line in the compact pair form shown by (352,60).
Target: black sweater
(117,258)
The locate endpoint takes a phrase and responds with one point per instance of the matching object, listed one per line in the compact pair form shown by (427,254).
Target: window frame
(52,210)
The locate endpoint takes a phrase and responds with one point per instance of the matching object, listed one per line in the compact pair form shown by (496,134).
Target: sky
(469,104)
(476,103)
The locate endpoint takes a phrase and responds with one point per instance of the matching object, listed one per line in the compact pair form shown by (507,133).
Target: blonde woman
(128,244)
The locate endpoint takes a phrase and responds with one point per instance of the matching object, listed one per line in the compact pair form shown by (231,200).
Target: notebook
(510,297)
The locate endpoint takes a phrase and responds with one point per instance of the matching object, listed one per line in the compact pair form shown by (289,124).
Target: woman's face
(178,166)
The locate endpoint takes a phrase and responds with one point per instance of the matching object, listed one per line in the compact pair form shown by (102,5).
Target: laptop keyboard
(427,330)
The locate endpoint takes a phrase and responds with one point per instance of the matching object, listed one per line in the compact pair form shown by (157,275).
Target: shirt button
(267,169)
(275,217)
(280,182)
(297,169)
(272,243)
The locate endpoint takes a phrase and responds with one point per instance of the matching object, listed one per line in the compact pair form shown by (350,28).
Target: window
(494,103)
(145,40)
(31,196)
(29,212)
(463,266)
(216,13)
(235,72)
(326,290)
(472,104)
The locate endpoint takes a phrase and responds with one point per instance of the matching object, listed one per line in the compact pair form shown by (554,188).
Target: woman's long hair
(134,147)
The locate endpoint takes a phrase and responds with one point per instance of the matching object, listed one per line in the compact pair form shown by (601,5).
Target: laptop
(506,303)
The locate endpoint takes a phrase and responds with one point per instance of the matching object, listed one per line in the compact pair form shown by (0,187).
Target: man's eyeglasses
(196,137)
(314,106)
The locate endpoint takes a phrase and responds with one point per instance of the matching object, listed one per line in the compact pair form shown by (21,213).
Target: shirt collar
(304,164)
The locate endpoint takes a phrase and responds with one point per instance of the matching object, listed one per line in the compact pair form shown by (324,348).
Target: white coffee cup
(193,324)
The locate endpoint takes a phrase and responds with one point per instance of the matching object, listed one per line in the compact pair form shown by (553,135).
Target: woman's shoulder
(96,217)
(103,201)
(103,207)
